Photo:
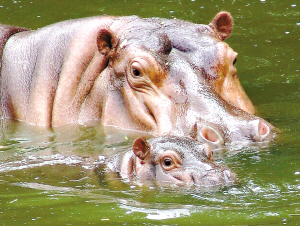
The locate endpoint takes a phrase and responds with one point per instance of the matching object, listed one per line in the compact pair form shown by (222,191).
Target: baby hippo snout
(217,176)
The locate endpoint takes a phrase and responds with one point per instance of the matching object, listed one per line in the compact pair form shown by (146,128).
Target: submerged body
(170,161)
(154,75)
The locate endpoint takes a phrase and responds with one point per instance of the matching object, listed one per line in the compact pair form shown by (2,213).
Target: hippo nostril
(211,135)
(263,130)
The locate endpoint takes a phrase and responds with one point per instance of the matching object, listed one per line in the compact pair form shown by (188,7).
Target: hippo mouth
(213,178)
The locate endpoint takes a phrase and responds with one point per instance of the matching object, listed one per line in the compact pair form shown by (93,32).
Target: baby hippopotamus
(170,160)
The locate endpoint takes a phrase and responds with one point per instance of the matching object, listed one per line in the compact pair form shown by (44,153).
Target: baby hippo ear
(105,41)
(141,148)
(222,24)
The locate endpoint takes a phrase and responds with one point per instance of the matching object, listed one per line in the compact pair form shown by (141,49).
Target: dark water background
(48,177)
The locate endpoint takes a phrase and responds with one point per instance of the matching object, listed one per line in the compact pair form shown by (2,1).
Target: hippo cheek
(228,85)
(145,175)
(152,108)
(173,177)
(161,108)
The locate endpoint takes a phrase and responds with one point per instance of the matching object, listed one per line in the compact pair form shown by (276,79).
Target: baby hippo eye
(168,162)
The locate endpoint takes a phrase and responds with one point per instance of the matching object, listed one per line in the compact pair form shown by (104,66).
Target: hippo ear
(222,24)
(104,41)
(141,148)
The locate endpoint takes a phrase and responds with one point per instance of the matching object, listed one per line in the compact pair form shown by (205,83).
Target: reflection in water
(44,187)
(33,162)
(269,190)
(157,214)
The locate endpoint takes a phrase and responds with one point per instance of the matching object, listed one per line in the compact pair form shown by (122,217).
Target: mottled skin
(153,75)
(170,161)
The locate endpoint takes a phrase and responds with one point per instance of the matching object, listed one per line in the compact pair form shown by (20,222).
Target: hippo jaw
(191,176)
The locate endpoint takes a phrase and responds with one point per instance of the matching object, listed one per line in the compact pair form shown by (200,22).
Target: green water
(49,178)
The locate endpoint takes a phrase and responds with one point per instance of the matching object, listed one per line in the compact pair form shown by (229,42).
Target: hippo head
(174,76)
(171,160)
(154,75)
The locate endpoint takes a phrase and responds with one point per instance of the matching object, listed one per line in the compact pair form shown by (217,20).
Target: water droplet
(172,13)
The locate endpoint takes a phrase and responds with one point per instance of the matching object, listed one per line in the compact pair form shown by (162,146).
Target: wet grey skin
(170,161)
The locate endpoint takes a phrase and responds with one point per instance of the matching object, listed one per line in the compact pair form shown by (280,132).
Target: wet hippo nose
(263,129)
(215,177)
(263,132)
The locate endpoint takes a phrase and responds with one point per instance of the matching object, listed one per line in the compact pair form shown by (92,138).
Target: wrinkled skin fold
(154,75)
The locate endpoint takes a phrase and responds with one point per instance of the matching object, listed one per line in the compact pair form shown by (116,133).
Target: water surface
(49,177)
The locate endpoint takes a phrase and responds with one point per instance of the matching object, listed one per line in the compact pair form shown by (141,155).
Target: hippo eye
(136,72)
(234,61)
(167,162)
(170,160)
(136,69)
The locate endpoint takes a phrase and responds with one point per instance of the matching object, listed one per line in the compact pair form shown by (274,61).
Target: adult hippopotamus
(155,75)
(169,160)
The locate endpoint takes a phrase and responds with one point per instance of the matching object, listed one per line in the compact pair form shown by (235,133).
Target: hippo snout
(234,132)
(214,178)
(263,131)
